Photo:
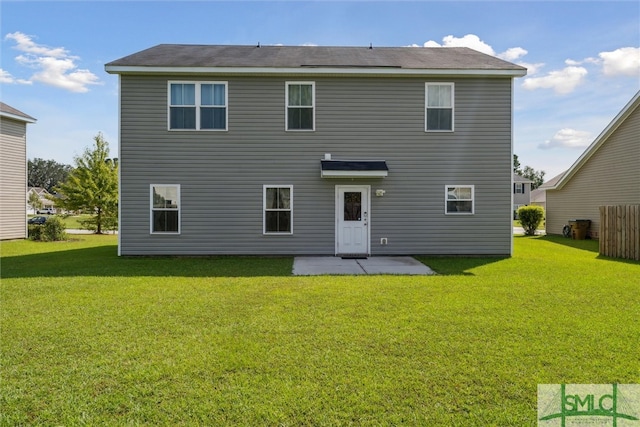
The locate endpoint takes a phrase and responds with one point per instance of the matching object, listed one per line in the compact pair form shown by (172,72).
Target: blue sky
(583,57)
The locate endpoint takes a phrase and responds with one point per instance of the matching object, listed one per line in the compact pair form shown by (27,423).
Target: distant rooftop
(310,59)
(9,111)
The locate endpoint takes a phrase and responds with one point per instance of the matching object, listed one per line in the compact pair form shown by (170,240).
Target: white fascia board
(114,69)
(354,174)
(16,117)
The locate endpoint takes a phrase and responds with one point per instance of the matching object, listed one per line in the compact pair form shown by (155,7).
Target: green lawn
(90,338)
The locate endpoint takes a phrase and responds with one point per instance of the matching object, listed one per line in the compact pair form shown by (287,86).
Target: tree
(46,173)
(516,164)
(34,201)
(528,172)
(536,176)
(92,187)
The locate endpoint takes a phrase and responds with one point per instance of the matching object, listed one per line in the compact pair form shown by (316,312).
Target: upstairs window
(459,199)
(300,105)
(439,107)
(198,105)
(518,188)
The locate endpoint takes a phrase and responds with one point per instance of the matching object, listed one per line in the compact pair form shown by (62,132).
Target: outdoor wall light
(380,193)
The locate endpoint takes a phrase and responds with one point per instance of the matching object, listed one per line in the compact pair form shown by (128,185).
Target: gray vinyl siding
(13,179)
(222,174)
(610,177)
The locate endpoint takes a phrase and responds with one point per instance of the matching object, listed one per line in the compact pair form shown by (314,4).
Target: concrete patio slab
(316,265)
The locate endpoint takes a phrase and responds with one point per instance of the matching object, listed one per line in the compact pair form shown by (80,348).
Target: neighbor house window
(439,107)
(198,105)
(165,208)
(278,209)
(300,105)
(459,199)
(518,187)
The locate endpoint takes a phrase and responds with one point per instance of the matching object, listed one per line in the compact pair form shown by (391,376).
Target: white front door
(352,219)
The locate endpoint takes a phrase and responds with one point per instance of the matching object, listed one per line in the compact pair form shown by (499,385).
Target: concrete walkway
(517,231)
(316,265)
(79,231)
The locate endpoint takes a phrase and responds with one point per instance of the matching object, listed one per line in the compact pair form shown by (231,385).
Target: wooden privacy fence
(620,231)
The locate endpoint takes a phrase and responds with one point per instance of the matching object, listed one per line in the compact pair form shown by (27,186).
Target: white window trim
(473,199)
(151,210)
(453,106)
(198,106)
(286,106)
(264,209)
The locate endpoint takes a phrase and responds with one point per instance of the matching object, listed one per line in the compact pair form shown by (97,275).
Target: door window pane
(352,206)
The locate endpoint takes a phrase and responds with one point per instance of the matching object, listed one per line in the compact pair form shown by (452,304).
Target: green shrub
(50,231)
(530,218)
(35,232)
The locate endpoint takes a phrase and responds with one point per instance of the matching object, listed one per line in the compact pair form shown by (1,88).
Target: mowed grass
(90,338)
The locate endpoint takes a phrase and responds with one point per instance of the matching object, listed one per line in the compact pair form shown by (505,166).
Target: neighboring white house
(13,172)
(46,205)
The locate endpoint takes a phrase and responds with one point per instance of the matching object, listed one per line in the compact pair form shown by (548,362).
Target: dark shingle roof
(9,111)
(298,57)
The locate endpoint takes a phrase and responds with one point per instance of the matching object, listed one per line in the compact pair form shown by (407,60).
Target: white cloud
(7,78)
(532,69)
(470,40)
(624,61)
(513,53)
(24,43)
(55,66)
(562,81)
(473,41)
(568,138)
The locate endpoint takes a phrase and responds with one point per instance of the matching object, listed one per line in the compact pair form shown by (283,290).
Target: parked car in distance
(37,220)
(46,211)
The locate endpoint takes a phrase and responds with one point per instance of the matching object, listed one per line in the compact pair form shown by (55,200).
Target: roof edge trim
(17,117)
(118,69)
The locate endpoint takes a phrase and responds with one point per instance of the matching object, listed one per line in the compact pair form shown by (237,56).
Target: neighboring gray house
(607,173)
(315,150)
(13,172)
(521,191)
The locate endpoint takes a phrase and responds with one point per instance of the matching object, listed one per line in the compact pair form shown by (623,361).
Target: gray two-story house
(315,150)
